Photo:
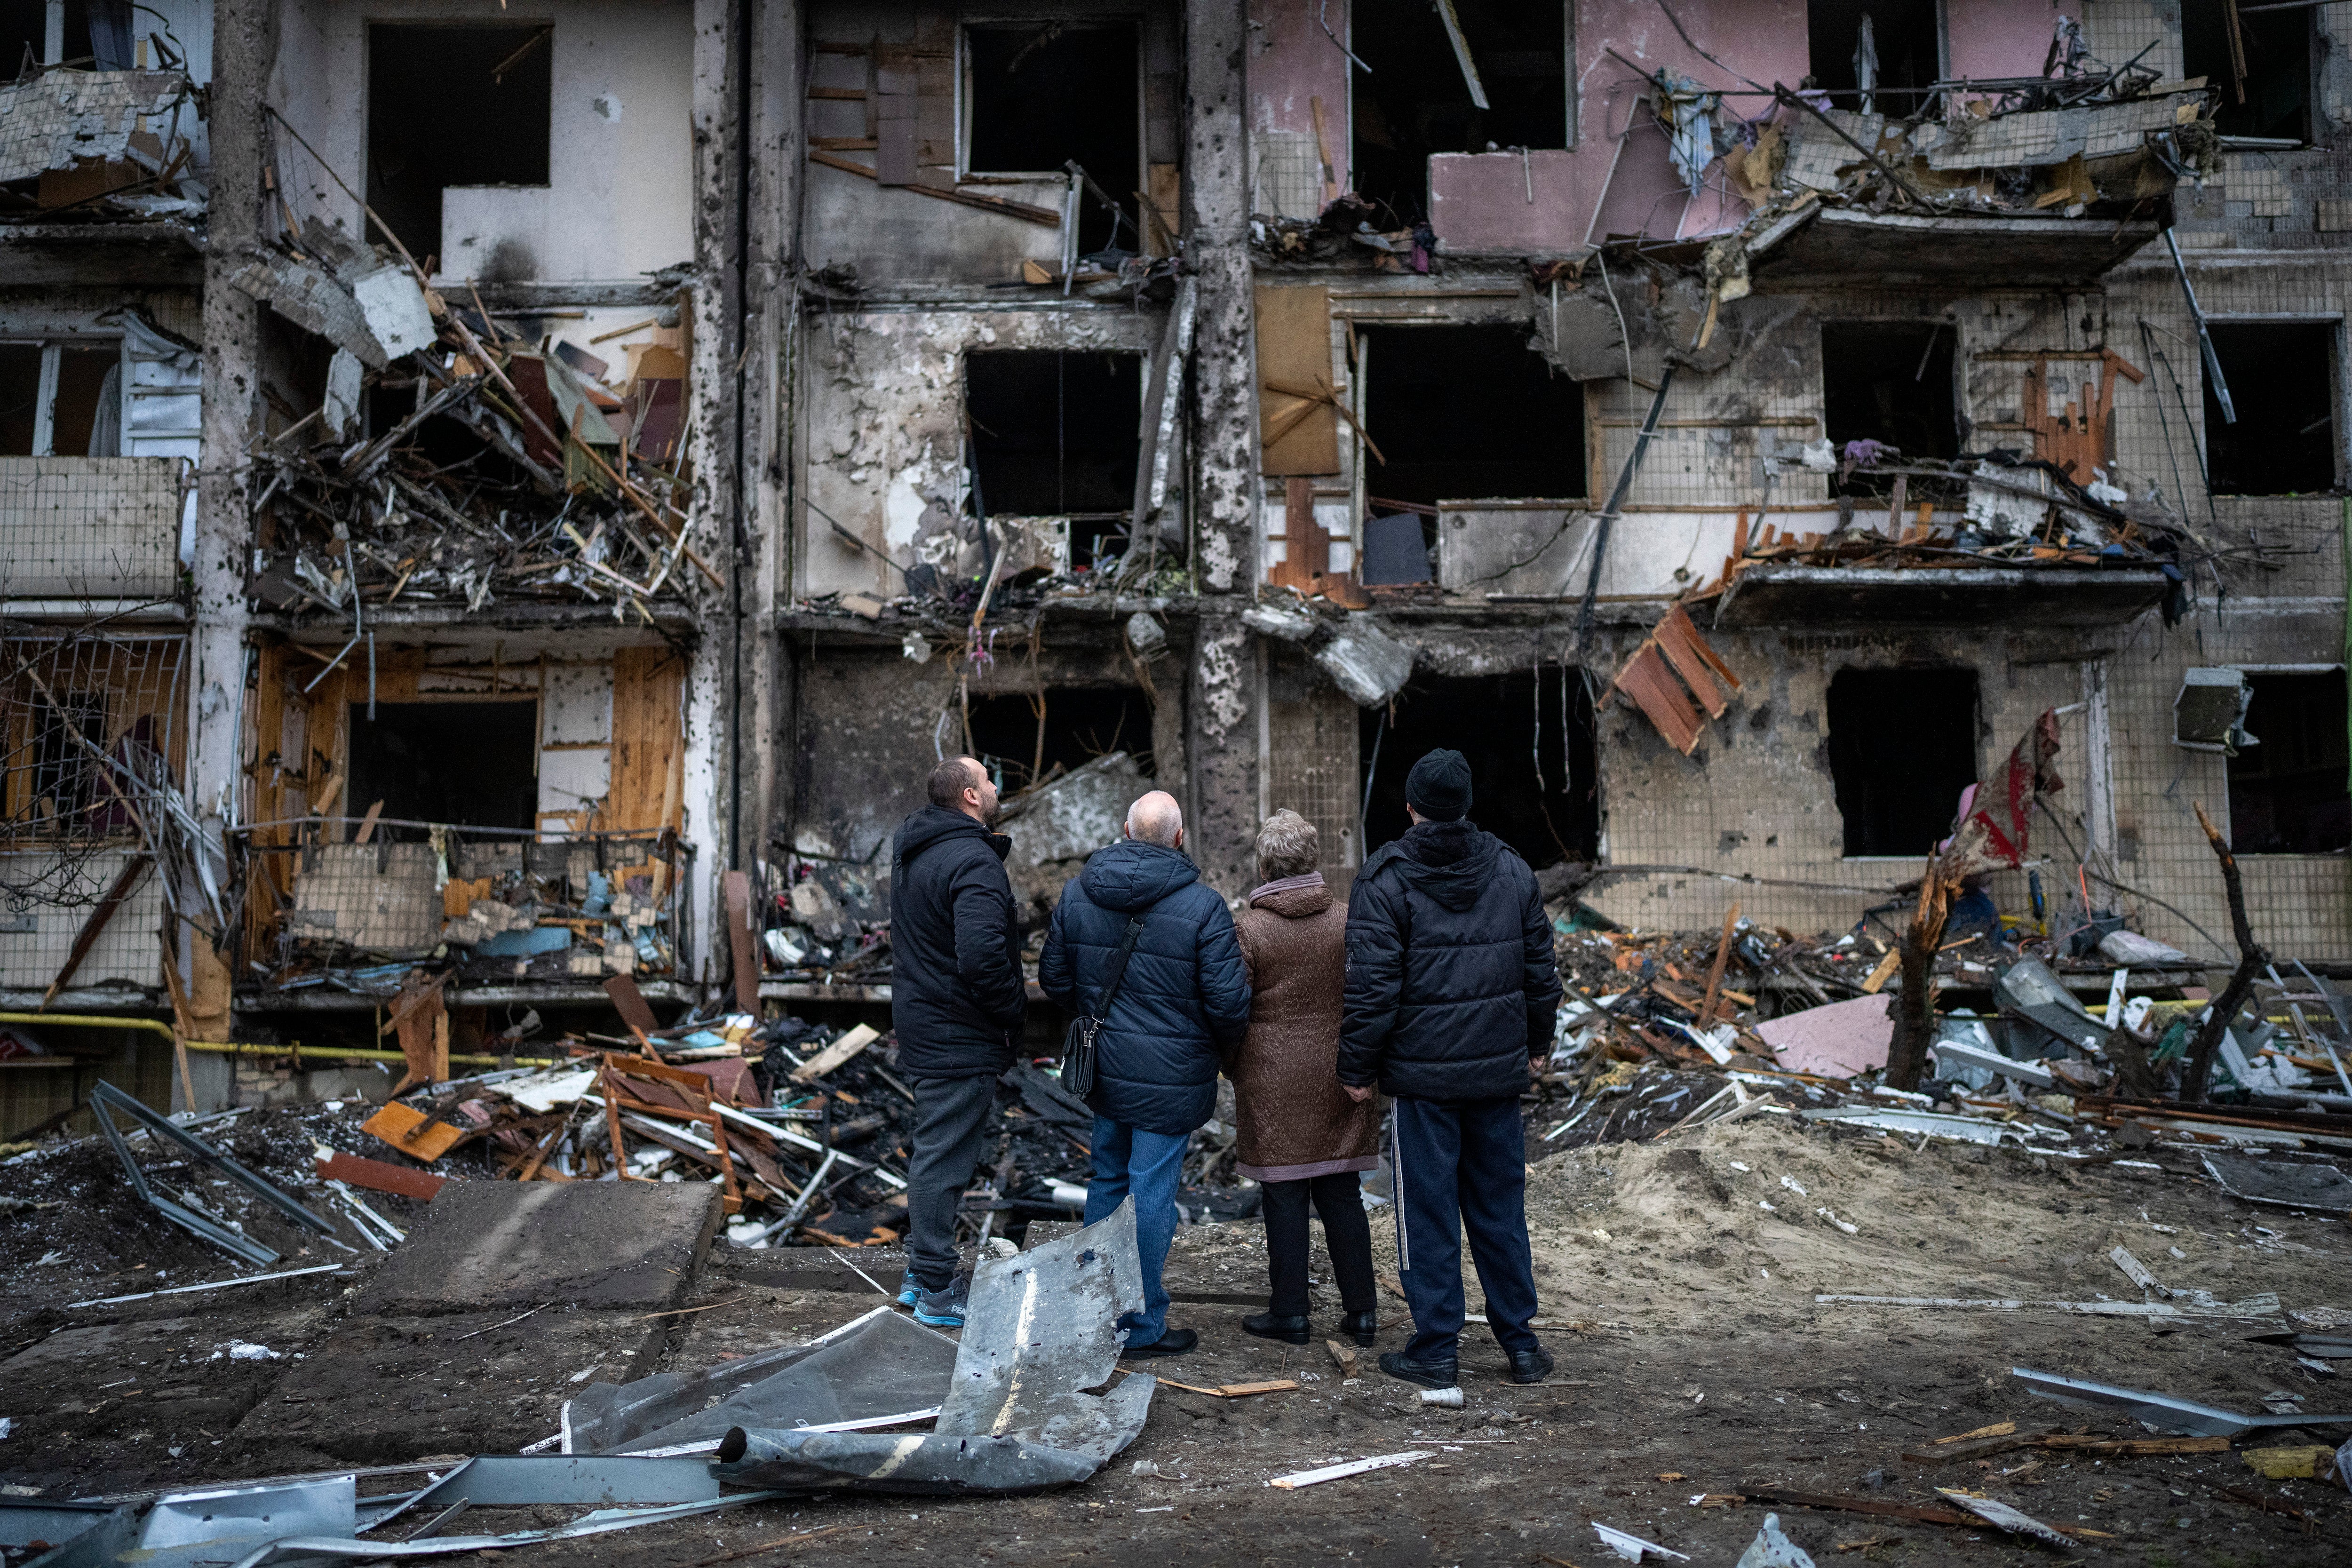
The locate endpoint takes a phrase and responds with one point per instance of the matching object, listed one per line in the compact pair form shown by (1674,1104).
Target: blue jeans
(1130,1161)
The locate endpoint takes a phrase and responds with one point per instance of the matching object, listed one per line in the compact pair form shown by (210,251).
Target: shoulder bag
(1078,1043)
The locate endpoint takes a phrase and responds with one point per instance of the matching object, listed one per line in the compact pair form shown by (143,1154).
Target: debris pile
(453,460)
(90,146)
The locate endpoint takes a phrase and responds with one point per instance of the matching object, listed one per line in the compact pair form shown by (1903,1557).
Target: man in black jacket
(1451,991)
(956,1000)
(1182,1004)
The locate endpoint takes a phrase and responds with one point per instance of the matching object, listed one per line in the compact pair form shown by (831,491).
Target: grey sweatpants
(950,1129)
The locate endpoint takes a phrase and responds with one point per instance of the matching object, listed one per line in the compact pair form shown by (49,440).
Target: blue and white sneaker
(908,1289)
(943,1309)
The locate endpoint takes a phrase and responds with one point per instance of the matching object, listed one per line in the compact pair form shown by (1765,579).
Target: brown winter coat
(1296,1120)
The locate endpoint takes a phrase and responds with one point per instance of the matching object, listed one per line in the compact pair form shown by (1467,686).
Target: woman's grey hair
(1288,846)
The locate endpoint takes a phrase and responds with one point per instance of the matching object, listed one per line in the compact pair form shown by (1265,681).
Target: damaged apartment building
(523,494)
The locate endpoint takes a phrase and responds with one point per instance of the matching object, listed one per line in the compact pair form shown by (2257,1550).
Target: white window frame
(45,392)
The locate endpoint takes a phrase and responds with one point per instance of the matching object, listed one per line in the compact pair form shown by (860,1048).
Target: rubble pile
(494,467)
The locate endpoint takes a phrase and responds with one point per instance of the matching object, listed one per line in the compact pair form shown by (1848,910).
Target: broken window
(2282,377)
(453,106)
(1527,737)
(1041,95)
(472,763)
(1056,435)
(1023,738)
(62,399)
(1464,412)
(2287,793)
(1902,747)
(1878,56)
(2259,64)
(1889,381)
(1432,63)
(95,35)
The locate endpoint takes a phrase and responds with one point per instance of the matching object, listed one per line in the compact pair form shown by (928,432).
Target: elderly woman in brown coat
(1302,1139)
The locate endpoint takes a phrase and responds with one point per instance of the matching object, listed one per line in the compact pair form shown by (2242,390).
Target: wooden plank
(367,824)
(1652,688)
(403,1126)
(836,1054)
(1294,348)
(746,952)
(1693,669)
(1676,623)
(1715,971)
(647,692)
(895,160)
(378,1177)
(630,1002)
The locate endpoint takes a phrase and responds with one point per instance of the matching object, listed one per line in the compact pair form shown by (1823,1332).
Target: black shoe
(1428,1373)
(1530,1366)
(1174,1341)
(1267,1326)
(1362,1326)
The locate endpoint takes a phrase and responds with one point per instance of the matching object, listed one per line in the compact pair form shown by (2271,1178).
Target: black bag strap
(1119,955)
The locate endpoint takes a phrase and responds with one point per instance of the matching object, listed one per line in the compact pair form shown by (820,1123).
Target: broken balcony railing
(501,904)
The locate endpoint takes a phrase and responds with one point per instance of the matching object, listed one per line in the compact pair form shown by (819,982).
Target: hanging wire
(1535,737)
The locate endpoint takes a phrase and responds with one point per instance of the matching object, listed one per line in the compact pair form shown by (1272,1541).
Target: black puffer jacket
(956,996)
(1185,1001)
(1451,983)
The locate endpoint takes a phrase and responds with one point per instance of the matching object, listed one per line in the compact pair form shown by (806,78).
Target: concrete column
(1224,692)
(244,47)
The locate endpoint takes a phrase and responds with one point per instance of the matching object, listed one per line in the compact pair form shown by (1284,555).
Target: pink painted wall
(1291,63)
(2000,37)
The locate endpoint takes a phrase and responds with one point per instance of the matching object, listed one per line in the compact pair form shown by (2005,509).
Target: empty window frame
(1527,737)
(1467,413)
(1890,382)
(1056,435)
(1041,95)
(2259,64)
(2287,790)
(1887,71)
(1902,747)
(2282,386)
(1023,738)
(61,399)
(453,106)
(92,35)
(472,763)
(1417,98)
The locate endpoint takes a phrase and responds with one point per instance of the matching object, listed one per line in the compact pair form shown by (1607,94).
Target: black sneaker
(1360,1326)
(1172,1341)
(1530,1366)
(1266,1326)
(1444,1373)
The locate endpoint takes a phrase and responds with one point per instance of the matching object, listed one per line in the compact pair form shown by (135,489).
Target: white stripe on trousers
(1396,1191)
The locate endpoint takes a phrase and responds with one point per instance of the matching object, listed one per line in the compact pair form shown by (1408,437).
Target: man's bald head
(1156,818)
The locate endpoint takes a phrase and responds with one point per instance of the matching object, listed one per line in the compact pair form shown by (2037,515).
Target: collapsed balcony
(447,459)
(511,818)
(94,147)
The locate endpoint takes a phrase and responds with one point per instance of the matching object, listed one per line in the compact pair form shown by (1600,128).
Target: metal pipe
(226,1048)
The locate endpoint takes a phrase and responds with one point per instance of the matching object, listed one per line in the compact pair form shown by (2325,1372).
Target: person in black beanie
(1451,996)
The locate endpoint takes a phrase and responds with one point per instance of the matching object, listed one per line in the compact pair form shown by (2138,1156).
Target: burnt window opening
(1057,435)
(1039,95)
(2264,81)
(1902,746)
(66,785)
(1079,724)
(98,36)
(2282,377)
(1904,58)
(1890,382)
(473,764)
(1415,101)
(1467,413)
(453,106)
(2287,790)
(61,400)
(1506,726)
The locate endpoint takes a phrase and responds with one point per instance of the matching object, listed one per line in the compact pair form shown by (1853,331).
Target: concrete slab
(387,1390)
(488,1245)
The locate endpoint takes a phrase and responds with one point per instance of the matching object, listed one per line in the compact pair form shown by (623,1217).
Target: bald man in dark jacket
(1452,992)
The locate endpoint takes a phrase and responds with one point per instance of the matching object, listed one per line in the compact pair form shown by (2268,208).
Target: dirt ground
(1679,1278)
